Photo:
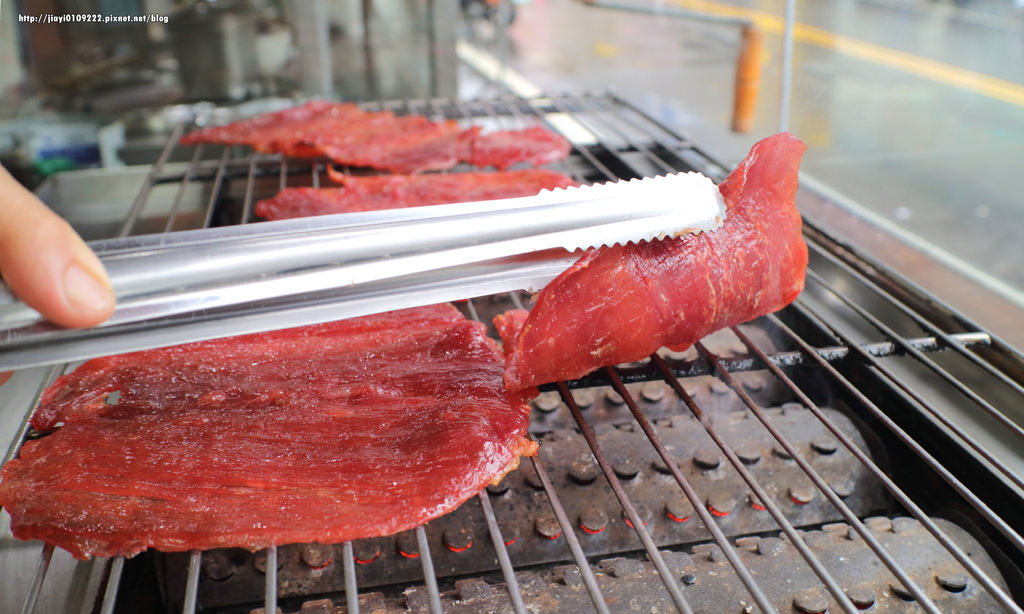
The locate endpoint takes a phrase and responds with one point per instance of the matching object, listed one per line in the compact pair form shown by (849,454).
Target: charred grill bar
(820,444)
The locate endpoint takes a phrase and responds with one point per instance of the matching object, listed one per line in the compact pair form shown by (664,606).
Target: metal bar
(950,339)
(665,166)
(19,438)
(113,582)
(698,505)
(786,84)
(667,576)
(787,359)
(589,580)
(865,460)
(584,151)
(886,330)
(798,458)
(249,185)
(661,10)
(502,552)
(283,180)
(172,215)
(192,585)
(907,439)
(215,189)
(351,590)
(430,578)
(140,198)
(270,582)
(923,403)
(891,486)
(769,505)
(45,555)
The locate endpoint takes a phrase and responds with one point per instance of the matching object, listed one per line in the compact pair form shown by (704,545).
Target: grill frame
(819,343)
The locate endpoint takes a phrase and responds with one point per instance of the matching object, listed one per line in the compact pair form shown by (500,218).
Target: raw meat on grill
(622,303)
(371,193)
(357,428)
(380,139)
(507,147)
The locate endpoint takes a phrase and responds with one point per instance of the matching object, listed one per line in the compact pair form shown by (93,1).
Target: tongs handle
(216,282)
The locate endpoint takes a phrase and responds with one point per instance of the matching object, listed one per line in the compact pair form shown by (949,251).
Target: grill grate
(941,395)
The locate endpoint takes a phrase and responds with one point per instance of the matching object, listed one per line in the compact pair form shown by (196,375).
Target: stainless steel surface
(905,367)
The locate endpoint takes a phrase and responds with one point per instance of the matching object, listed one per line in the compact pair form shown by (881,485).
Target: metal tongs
(217,282)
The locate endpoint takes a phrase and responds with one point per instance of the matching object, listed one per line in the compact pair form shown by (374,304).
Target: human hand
(46,264)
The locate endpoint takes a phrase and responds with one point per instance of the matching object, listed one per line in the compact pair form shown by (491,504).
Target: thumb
(46,264)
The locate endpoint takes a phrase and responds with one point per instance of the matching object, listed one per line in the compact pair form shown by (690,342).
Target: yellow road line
(970,80)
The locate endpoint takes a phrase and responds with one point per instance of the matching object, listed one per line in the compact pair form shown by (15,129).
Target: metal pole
(787,65)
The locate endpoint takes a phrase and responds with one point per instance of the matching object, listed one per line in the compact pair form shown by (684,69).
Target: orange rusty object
(748,79)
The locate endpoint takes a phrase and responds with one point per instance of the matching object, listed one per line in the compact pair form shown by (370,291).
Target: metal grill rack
(941,396)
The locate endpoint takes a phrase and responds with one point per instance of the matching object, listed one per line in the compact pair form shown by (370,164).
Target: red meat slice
(357,428)
(621,304)
(371,193)
(503,149)
(378,139)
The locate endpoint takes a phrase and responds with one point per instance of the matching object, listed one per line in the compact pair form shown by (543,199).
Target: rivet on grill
(843,488)
(547,527)
(498,489)
(770,546)
(217,566)
(613,397)
(904,525)
(583,471)
(407,545)
(863,596)
(593,520)
(678,509)
(753,383)
(584,398)
(801,495)
(547,402)
(879,524)
(510,534)
(364,551)
(721,505)
(779,451)
(689,579)
(641,510)
(625,468)
(825,446)
(707,458)
(748,454)
(316,556)
(660,466)
(473,588)
(952,582)
(755,502)
(813,601)
(719,387)
(259,561)
(458,540)
(652,392)
(533,480)
(900,591)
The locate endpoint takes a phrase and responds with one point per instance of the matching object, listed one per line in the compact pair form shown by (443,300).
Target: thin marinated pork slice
(622,303)
(358,428)
(379,139)
(371,193)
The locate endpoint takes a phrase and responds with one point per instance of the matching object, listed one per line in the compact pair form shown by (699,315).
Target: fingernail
(83,291)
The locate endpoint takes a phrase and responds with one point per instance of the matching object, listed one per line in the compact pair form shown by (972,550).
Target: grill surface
(858,450)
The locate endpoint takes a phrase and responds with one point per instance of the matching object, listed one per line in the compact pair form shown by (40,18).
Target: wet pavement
(913,111)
